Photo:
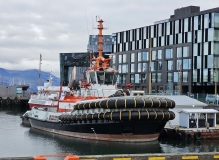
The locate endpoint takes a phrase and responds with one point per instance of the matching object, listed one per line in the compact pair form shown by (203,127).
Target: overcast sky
(50,27)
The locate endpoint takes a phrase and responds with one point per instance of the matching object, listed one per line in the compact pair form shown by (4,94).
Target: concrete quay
(162,156)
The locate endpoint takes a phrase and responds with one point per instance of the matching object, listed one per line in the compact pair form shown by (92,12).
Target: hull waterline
(106,131)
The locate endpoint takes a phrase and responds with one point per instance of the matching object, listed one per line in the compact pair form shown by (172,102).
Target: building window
(159,65)
(120,68)
(132,57)
(195,76)
(189,37)
(120,58)
(144,67)
(210,61)
(186,63)
(124,68)
(216,35)
(169,77)
(147,43)
(216,19)
(153,77)
(210,34)
(206,48)
(185,51)
(195,49)
(171,39)
(179,38)
(132,78)
(140,44)
(154,55)
(118,37)
(169,65)
(126,46)
(139,67)
(216,48)
(168,28)
(132,67)
(206,20)
(131,33)
(159,77)
(196,23)
(118,79)
(199,36)
(185,77)
(153,66)
(154,42)
(179,64)
(120,47)
(179,52)
(139,57)
(186,24)
(177,26)
(133,45)
(152,31)
(159,54)
(137,78)
(205,75)
(162,41)
(123,79)
(175,76)
(198,62)
(124,58)
(168,53)
(145,56)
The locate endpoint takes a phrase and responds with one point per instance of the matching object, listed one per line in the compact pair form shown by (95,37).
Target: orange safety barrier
(67,156)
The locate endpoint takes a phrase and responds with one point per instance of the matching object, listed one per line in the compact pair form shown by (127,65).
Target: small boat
(47,95)
(91,113)
(25,118)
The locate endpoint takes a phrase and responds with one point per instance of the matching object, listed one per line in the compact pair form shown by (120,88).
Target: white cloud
(50,27)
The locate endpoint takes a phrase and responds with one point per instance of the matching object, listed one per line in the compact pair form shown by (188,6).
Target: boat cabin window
(110,77)
(93,77)
(100,77)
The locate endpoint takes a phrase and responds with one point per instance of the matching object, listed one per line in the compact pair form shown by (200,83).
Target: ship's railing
(41,96)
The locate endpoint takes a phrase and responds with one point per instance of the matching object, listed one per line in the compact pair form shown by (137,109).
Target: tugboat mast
(100,59)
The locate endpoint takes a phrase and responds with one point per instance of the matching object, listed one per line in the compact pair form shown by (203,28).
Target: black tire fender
(188,136)
(197,135)
(179,135)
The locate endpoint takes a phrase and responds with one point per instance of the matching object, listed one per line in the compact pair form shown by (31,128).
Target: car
(210,98)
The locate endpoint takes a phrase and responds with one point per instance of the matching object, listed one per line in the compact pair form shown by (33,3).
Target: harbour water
(17,140)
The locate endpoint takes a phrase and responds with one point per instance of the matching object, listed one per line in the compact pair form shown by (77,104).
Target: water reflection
(171,146)
(91,147)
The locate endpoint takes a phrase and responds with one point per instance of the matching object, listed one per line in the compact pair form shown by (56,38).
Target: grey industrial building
(185,51)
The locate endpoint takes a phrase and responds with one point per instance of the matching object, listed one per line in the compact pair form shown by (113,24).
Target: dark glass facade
(82,59)
(185,49)
(68,61)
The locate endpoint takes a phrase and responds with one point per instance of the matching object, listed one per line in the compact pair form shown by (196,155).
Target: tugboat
(47,95)
(97,116)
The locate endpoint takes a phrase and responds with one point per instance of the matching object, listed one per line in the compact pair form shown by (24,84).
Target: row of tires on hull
(122,116)
(128,102)
(180,135)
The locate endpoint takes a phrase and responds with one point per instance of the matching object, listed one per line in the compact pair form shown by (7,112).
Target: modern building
(82,59)
(183,50)
(68,61)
